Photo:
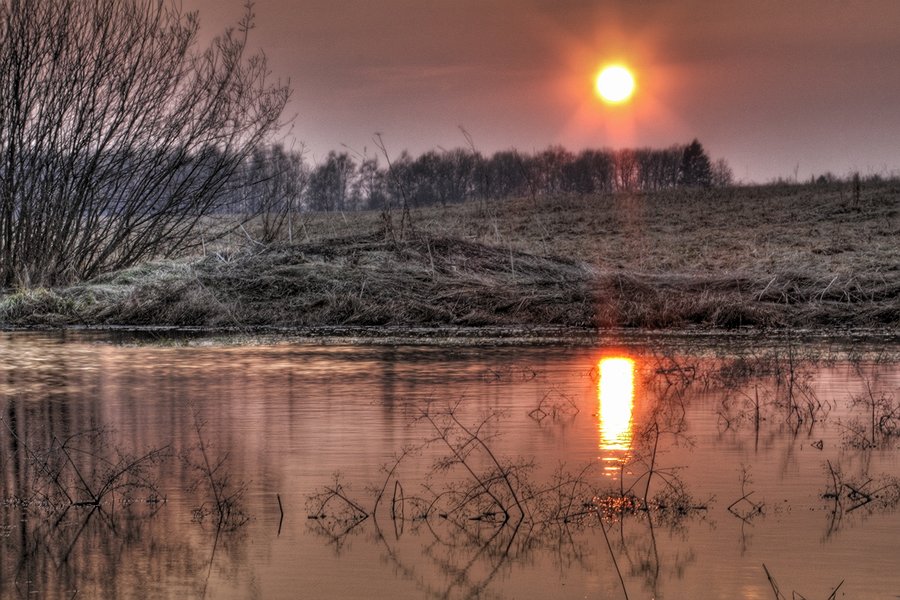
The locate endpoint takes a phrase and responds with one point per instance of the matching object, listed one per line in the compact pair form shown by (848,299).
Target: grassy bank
(779,256)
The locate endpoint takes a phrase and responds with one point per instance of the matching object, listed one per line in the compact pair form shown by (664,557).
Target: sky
(778,88)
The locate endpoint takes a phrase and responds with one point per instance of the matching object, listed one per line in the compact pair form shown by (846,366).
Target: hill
(797,256)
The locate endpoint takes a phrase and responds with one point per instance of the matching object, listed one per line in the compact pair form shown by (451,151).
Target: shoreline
(872,339)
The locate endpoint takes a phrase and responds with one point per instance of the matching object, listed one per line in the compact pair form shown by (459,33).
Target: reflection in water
(290,416)
(615,392)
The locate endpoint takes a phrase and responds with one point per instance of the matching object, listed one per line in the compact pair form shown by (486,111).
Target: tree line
(277,179)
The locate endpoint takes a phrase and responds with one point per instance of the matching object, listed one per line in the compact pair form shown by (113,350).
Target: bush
(117,135)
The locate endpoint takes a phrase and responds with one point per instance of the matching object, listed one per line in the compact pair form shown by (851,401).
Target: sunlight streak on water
(615,394)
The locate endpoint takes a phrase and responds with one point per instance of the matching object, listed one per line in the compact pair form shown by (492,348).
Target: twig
(398,492)
(765,289)
(652,462)
(778,594)
(335,491)
(835,591)
(612,555)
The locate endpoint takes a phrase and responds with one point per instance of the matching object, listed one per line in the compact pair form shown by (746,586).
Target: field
(781,256)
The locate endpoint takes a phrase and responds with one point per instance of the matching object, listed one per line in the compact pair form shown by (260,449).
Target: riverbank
(796,257)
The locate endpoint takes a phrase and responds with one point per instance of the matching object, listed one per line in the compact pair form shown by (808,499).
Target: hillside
(771,256)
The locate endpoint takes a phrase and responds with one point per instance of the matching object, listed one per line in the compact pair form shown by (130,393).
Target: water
(106,491)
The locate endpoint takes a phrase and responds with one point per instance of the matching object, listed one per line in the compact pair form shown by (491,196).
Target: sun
(615,84)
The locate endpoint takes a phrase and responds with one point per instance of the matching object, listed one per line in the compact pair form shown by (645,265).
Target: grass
(803,256)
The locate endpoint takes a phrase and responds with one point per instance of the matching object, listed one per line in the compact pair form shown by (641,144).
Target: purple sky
(770,85)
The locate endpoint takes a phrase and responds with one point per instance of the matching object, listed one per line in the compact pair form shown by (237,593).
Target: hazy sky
(773,86)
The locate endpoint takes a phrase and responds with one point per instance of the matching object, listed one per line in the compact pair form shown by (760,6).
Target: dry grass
(779,256)
(357,281)
(810,229)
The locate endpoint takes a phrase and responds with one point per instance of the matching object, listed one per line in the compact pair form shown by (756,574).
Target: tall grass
(771,256)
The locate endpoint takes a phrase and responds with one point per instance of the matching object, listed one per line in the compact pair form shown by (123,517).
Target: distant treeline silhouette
(343,181)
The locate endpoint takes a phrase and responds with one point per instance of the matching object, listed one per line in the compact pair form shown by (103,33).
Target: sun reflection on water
(615,393)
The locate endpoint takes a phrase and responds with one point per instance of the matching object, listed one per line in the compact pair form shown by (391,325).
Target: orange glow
(652,114)
(615,84)
(615,393)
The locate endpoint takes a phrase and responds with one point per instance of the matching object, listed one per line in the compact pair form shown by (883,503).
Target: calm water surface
(112,457)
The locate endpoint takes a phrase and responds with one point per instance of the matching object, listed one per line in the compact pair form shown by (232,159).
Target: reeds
(222,496)
(475,506)
(779,595)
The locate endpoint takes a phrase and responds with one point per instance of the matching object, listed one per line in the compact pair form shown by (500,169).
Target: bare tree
(369,186)
(722,175)
(273,182)
(592,171)
(117,134)
(627,170)
(331,182)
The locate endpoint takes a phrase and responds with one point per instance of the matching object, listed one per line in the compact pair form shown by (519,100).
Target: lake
(636,467)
